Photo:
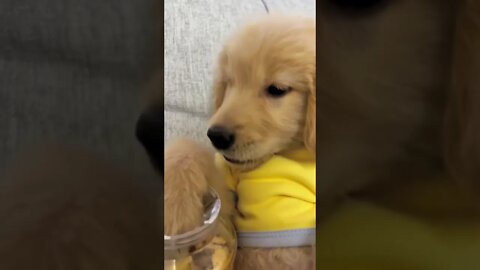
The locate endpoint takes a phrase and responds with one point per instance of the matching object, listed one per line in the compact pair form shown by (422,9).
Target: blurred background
(75,71)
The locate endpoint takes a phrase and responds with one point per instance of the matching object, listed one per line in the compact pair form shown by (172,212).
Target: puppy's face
(383,68)
(265,90)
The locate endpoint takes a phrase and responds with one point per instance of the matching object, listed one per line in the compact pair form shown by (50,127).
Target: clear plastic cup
(211,246)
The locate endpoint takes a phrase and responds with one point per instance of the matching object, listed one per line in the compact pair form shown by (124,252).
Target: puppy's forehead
(272,46)
(272,38)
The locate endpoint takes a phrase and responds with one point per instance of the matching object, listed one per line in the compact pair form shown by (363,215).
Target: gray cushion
(194,33)
(74,71)
(302,7)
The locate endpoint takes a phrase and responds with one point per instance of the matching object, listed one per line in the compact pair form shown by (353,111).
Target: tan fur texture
(189,170)
(61,207)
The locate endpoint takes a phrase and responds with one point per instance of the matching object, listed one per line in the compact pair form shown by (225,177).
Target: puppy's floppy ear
(462,138)
(219,80)
(310,132)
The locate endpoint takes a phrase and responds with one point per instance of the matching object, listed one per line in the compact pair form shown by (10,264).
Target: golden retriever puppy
(265,89)
(62,207)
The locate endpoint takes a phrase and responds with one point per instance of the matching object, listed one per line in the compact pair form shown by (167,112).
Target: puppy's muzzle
(149,131)
(221,137)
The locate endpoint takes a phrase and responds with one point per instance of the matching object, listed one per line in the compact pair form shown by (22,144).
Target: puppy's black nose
(149,131)
(221,137)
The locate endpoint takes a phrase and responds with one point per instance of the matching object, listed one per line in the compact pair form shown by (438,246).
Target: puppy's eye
(276,92)
(356,5)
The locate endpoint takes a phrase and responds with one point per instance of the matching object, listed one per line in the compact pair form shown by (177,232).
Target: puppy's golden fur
(190,169)
(62,207)
(275,50)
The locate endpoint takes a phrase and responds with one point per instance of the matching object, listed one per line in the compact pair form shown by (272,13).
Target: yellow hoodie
(275,202)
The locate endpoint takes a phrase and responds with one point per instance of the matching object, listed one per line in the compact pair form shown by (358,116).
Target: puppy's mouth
(236,161)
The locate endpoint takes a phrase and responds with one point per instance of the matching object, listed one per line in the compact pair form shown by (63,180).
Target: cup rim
(179,241)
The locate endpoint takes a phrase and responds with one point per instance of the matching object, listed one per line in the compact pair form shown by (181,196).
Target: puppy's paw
(188,167)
